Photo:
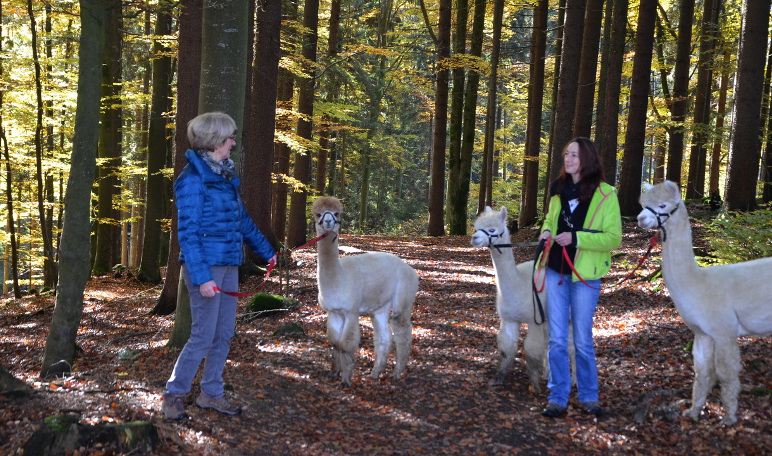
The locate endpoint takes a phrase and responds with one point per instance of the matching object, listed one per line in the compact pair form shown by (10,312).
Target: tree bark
(745,144)
(715,156)
(565,106)
(158,148)
(437,185)
(588,68)
(695,185)
(74,258)
(632,162)
(296,234)
(608,138)
(528,202)
(680,87)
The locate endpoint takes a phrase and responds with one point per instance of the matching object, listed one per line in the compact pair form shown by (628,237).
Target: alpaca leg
(381,342)
(402,327)
(728,367)
(535,348)
(704,373)
(334,330)
(348,346)
(509,332)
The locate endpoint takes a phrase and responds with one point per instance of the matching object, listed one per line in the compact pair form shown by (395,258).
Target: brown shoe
(220,404)
(173,406)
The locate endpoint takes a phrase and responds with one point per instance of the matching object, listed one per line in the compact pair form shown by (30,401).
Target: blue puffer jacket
(212,223)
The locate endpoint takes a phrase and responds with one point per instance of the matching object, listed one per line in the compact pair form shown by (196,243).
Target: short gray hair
(210,130)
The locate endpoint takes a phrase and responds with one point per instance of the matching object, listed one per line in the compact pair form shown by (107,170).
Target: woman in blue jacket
(583,225)
(212,228)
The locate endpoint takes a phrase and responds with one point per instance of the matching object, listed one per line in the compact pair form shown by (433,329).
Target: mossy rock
(290,329)
(61,434)
(265,304)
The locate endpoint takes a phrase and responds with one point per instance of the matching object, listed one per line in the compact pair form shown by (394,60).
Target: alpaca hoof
(691,413)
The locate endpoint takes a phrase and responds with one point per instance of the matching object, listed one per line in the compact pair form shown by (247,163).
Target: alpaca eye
(337,214)
(492,230)
(662,206)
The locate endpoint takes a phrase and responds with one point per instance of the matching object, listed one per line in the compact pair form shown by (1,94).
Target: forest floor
(443,406)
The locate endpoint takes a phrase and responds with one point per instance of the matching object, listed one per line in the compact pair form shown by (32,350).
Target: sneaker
(173,407)
(220,404)
(591,408)
(553,410)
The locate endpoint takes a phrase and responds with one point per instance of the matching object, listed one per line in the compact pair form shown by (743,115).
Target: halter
(660,221)
(491,238)
(326,215)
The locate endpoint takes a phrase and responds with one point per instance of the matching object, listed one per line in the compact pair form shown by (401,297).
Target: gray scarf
(225,168)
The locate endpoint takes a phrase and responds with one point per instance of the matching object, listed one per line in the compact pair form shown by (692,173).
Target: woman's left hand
(564,239)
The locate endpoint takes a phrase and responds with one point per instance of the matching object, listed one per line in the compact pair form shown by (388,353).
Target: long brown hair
(590,170)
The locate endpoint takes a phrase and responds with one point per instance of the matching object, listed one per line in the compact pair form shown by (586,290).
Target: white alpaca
(718,303)
(378,284)
(514,302)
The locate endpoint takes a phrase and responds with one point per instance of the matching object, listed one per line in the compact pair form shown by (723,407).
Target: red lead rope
(271,265)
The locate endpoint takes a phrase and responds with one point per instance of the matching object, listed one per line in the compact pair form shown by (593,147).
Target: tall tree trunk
(745,144)
(258,156)
(140,182)
(632,162)
(296,234)
(486,181)
(109,148)
(437,185)
(695,186)
(528,202)
(680,87)
(565,106)
(14,259)
(608,138)
(605,51)
(188,78)
(456,114)
(74,259)
(49,274)
(458,198)
(588,68)
(554,98)
(158,148)
(715,156)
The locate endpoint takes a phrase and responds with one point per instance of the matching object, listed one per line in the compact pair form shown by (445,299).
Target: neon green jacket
(602,232)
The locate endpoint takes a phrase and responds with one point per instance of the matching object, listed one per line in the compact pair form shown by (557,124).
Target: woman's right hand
(207,289)
(546,234)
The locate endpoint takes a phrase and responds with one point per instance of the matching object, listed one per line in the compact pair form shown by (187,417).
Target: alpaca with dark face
(376,284)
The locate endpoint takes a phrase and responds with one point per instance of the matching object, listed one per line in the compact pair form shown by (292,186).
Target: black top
(572,215)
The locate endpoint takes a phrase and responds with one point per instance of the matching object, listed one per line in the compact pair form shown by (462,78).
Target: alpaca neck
(504,263)
(328,261)
(677,250)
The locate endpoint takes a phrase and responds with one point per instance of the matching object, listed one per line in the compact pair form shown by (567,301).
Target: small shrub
(741,236)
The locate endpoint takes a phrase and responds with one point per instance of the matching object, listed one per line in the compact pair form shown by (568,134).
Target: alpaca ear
(647,186)
(488,208)
(504,214)
(673,188)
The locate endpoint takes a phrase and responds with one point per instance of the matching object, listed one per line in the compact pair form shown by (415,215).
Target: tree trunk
(744,146)
(528,202)
(486,180)
(188,78)
(49,274)
(458,199)
(158,148)
(437,185)
(565,105)
(258,156)
(456,115)
(332,96)
(224,62)
(680,87)
(109,148)
(608,139)
(605,51)
(74,259)
(632,162)
(715,157)
(695,186)
(296,234)
(588,68)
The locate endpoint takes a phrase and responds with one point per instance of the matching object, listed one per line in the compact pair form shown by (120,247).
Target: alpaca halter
(326,216)
(493,236)
(666,215)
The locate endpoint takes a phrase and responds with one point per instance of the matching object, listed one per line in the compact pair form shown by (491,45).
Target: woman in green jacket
(582,226)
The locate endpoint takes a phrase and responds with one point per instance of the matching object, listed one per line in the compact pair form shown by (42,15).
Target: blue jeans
(574,302)
(214,323)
